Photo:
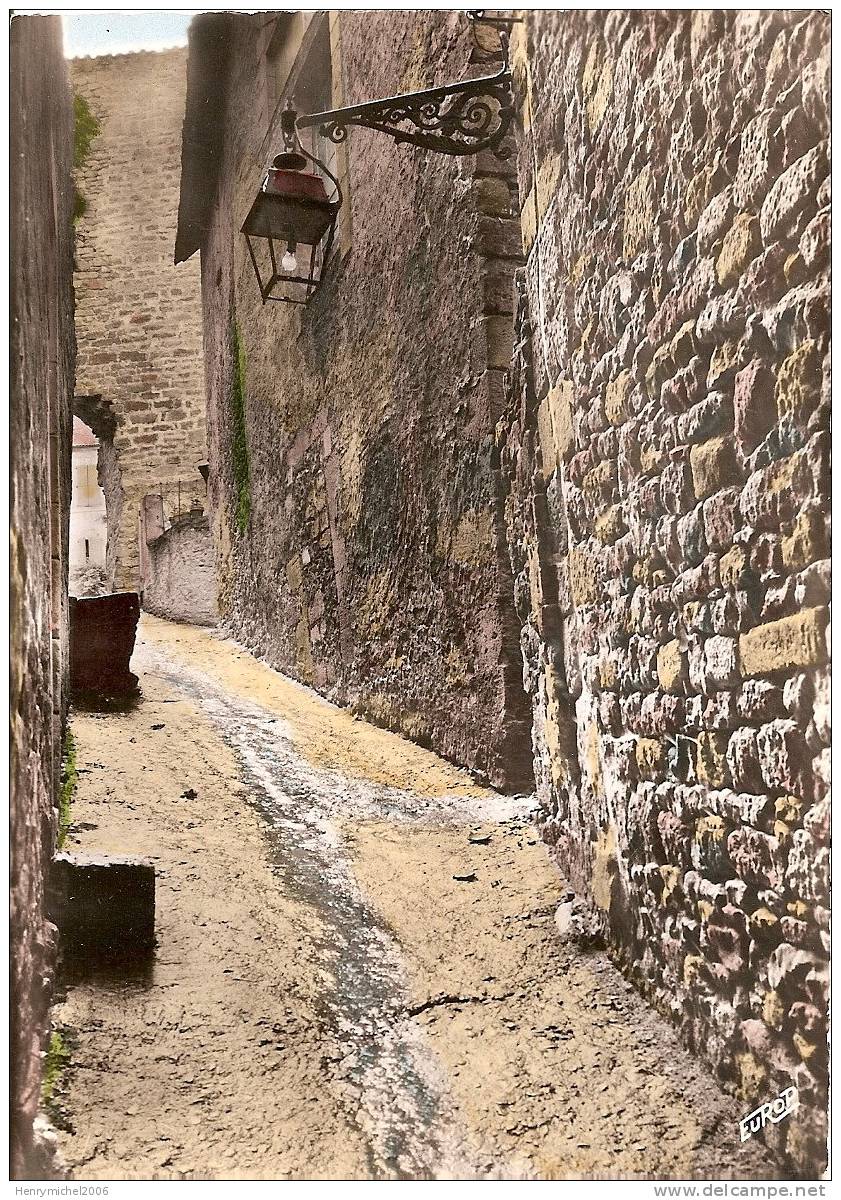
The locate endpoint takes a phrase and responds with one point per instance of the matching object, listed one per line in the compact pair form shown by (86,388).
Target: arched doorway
(97,498)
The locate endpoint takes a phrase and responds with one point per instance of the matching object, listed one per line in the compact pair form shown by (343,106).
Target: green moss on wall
(56,1061)
(239,446)
(85,130)
(68,786)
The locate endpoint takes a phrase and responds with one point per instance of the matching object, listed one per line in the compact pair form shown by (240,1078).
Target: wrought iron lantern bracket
(293,208)
(456,118)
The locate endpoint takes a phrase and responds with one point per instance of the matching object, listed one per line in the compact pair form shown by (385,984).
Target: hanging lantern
(291,225)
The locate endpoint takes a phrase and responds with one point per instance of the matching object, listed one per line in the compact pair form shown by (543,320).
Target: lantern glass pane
(279,282)
(283,225)
(289,219)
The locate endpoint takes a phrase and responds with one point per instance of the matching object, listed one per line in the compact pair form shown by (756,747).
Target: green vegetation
(57,1060)
(239,447)
(68,786)
(86,129)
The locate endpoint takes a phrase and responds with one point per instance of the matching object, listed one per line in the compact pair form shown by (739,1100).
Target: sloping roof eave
(203,130)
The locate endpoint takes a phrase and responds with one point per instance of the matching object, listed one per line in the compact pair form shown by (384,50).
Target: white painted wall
(88,533)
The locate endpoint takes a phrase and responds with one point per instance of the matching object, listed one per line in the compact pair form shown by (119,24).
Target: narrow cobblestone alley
(358,972)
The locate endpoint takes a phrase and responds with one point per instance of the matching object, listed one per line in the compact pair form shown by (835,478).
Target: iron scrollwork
(458,118)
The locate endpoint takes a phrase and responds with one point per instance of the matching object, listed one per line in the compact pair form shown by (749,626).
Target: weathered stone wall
(42,356)
(667,456)
(180,573)
(361,545)
(138,316)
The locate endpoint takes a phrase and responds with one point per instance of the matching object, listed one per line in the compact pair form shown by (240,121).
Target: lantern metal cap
(289,160)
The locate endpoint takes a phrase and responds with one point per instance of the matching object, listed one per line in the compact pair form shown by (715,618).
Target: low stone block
(102,633)
(103,903)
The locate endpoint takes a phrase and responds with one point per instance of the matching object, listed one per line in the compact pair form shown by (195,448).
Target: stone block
(676,837)
(742,243)
(815,241)
(756,857)
(721,317)
(782,755)
(743,761)
(711,766)
(583,576)
(103,903)
(640,201)
(720,713)
(759,159)
(610,524)
(798,386)
(721,663)
(713,466)
(807,542)
(709,850)
(754,411)
(720,518)
(788,968)
(671,667)
(616,398)
(559,402)
(725,360)
(650,754)
(713,415)
(760,700)
(774,494)
(690,537)
(792,192)
(102,633)
(676,493)
(789,644)
(714,220)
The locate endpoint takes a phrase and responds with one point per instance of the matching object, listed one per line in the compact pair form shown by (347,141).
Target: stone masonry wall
(138,316)
(364,553)
(180,574)
(666,451)
(40,430)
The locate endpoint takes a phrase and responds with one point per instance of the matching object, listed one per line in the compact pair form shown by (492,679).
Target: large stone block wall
(140,376)
(40,432)
(365,554)
(666,451)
